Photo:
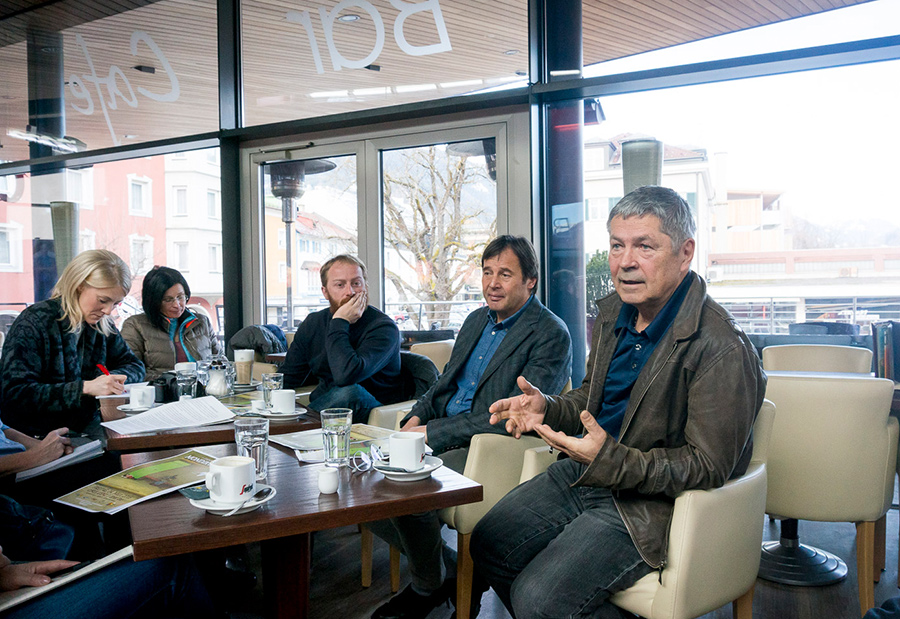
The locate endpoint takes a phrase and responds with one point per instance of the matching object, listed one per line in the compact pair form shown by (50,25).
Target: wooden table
(171,526)
(276,357)
(189,437)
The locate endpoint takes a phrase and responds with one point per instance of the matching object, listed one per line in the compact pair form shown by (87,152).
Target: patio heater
(486,148)
(288,182)
(642,161)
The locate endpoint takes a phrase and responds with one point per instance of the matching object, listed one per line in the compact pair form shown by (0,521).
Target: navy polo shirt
(488,343)
(632,351)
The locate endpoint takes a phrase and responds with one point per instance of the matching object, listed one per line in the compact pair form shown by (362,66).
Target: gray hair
(673,212)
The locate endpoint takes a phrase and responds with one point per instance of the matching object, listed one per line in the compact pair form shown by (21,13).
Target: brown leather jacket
(689,420)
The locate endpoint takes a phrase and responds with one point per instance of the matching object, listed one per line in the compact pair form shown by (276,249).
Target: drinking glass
(187,383)
(252,439)
(336,424)
(271,382)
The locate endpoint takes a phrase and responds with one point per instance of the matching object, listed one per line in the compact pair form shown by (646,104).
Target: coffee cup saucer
(220,509)
(431,464)
(128,409)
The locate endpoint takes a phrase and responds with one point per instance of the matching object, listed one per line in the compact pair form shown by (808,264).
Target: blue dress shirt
(468,378)
(632,351)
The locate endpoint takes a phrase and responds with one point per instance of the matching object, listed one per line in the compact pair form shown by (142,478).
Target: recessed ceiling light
(129,136)
(143,68)
(511,52)
(521,73)
(349,17)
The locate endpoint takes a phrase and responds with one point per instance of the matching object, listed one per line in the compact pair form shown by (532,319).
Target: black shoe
(410,605)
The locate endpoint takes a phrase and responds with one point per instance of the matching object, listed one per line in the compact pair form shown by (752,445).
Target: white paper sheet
(83,452)
(185,414)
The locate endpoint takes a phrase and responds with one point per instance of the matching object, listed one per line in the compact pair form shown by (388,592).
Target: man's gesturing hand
(522,412)
(582,450)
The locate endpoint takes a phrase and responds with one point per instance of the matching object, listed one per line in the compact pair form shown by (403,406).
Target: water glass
(336,424)
(252,439)
(271,382)
(187,384)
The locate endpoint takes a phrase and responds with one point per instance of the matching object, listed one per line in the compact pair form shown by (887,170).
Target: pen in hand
(102,368)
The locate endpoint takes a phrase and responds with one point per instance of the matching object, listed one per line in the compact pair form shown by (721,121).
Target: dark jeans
(550,550)
(351,396)
(168,587)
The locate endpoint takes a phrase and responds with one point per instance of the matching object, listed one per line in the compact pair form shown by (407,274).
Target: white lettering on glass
(111,82)
(303,19)
(407,9)
(337,59)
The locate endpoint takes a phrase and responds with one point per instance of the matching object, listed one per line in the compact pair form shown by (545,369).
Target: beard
(334,304)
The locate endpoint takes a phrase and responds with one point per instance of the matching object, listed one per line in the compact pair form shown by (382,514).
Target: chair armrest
(495,462)
(390,415)
(536,461)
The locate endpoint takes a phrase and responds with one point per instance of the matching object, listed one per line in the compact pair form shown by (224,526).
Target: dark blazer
(537,347)
(44,369)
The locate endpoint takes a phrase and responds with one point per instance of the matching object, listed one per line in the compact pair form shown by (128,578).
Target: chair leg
(880,541)
(742,608)
(865,561)
(395,569)
(366,555)
(464,570)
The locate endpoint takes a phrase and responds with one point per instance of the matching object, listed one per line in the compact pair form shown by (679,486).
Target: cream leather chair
(817,358)
(439,352)
(714,539)
(495,462)
(707,566)
(832,458)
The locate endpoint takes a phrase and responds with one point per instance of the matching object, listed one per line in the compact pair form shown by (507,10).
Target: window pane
(791,228)
(320,218)
(4,247)
(371,54)
(161,58)
(32,271)
(440,209)
(181,201)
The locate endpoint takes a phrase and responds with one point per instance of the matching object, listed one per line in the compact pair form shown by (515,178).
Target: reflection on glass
(310,216)
(440,209)
(109,76)
(344,56)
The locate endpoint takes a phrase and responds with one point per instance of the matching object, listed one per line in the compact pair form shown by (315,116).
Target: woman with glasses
(60,354)
(167,332)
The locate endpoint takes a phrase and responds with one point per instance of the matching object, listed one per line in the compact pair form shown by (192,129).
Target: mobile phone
(69,570)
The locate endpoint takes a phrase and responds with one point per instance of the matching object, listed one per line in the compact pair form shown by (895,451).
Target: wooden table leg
(285,565)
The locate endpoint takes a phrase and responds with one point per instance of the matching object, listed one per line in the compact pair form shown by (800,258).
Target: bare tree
(436,227)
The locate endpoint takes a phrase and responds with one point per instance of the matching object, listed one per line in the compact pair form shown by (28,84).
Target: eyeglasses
(173,300)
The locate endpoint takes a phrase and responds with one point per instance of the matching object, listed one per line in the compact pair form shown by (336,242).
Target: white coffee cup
(231,479)
(407,450)
(142,396)
(284,401)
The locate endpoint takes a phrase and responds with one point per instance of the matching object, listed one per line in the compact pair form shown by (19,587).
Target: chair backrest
(817,358)
(762,431)
(438,352)
(832,455)
(418,373)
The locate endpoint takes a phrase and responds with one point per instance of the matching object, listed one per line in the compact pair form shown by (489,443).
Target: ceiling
(289,47)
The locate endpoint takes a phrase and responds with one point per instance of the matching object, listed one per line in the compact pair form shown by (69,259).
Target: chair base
(800,565)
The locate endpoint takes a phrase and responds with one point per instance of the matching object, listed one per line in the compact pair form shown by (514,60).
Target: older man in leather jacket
(668,402)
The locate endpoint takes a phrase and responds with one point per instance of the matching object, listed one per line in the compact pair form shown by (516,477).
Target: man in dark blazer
(514,335)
